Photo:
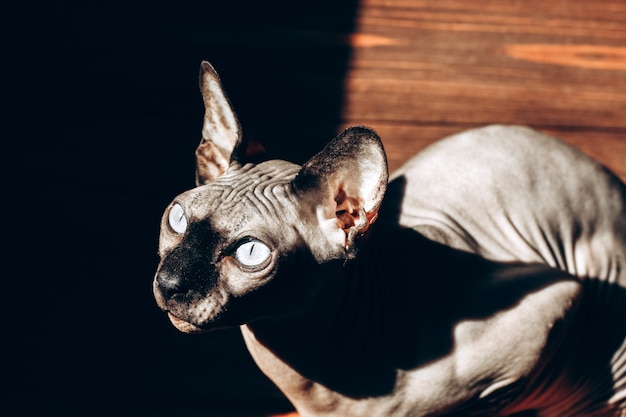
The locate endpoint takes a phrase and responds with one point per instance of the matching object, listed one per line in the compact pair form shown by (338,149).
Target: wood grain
(446,66)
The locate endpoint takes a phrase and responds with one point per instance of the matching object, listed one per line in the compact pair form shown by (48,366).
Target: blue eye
(177,219)
(252,253)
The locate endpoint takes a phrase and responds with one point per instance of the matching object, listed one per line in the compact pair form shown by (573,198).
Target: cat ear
(346,182)
(221,132)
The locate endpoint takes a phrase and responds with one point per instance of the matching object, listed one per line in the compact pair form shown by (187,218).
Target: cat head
(256,236)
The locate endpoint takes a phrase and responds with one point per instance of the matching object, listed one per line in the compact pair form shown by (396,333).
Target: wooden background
(103,115)
(420,70)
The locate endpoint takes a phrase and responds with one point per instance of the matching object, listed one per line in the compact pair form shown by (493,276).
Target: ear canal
(221,131)
(347,180)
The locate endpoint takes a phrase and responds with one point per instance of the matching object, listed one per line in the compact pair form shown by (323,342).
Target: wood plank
(431,69)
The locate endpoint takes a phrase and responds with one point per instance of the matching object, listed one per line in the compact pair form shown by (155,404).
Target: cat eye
(177,219)
(252,254)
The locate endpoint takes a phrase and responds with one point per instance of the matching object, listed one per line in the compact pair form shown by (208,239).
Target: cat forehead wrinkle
(241,179)
(245,198)
(275,169)
(251,211)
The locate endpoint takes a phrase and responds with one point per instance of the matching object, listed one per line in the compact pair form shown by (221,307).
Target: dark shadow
(399,304)
(404,313)
(104,116)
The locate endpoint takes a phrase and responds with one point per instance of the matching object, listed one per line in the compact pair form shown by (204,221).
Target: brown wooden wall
(423,69)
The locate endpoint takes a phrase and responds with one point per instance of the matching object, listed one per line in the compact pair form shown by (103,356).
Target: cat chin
(185,326)
(190,328)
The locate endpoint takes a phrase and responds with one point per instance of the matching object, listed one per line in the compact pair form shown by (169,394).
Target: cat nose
(168,284)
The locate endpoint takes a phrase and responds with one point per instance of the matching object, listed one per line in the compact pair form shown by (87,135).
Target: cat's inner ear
(220,131)
(222,141)
(347,181)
